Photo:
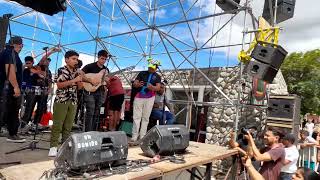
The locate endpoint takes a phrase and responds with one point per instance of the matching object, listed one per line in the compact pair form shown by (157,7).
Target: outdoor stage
(197,154)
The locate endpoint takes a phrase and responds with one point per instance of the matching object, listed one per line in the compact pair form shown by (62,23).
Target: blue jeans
(168,116)
(286,176)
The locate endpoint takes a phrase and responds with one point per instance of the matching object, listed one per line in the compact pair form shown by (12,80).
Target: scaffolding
(148,34)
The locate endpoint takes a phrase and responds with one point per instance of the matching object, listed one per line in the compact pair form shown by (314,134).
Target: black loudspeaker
(281,108)
(272,55)
(49,7)
(284,112)
(4,23)
(91,150)
(165,140)
(285,10)
(228,5)
(261,71)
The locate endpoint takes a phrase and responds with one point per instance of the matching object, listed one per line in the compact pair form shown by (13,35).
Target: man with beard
(272,155)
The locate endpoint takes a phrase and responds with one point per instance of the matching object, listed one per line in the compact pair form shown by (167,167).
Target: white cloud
(161,13)
(133,5)
(299,32)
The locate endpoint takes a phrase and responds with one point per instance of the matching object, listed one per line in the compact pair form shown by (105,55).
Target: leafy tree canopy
(302,74)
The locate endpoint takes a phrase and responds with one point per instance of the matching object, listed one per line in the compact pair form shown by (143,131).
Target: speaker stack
(267,59)
(284,112)
(285,10)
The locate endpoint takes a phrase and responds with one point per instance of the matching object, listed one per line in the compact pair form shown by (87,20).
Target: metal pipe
(32,26)
(204,75)
(21,15)
(130,27)
(178,22)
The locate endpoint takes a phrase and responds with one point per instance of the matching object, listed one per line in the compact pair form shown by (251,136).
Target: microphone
(45,48)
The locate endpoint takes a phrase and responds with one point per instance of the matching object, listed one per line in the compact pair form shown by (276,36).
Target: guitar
(101,75)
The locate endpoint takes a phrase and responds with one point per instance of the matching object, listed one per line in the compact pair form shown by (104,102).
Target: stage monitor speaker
(285,10)
(165,140)
(91,150)
(4,23)
(261,71)
(49,7)
(270,54)
(228,5)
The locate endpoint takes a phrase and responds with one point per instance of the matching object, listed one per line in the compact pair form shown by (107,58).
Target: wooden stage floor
(34,163)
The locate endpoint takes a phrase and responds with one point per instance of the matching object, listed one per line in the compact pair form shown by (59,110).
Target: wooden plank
(27,171)
(197,154)
(34,171)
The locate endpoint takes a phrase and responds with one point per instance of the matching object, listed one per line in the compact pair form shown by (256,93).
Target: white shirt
(309,127)
(292,154)
(309,152)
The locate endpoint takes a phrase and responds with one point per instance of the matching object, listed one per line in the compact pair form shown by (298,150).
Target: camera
(245,131)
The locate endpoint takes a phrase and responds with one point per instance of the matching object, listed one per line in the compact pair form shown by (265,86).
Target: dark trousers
(285,176)
(10,113)
(168,116)
(80,108)
(31,100)
(93,102)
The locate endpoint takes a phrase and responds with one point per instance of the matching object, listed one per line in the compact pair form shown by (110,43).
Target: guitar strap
(145,86)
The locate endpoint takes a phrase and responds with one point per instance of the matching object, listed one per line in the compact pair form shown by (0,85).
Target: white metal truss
(159,41)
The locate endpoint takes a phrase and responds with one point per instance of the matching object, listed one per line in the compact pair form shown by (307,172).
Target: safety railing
(308,157)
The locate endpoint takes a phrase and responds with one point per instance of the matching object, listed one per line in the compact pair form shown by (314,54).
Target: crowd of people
(88,87)
(279,155)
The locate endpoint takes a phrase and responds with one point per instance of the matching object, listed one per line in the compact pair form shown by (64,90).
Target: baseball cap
(15,40)
(153,63)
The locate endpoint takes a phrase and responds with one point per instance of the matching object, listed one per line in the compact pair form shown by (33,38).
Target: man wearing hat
(146,84)
(10,86)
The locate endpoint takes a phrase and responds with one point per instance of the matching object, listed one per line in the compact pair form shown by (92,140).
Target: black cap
(15,40)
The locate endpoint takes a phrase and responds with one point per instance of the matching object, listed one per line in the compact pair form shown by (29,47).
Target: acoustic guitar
(101,75)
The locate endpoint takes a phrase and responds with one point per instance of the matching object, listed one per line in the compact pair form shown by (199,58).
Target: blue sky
(170,11)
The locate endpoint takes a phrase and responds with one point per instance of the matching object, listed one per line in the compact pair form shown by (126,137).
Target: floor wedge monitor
(165,140)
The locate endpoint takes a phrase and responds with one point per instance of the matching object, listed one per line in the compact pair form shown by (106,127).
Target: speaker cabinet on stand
(267,59)
(285,10)
(284,112)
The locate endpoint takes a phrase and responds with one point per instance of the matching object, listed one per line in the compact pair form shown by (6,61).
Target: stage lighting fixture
(49,7)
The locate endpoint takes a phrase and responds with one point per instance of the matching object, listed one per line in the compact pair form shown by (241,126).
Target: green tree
(302,74)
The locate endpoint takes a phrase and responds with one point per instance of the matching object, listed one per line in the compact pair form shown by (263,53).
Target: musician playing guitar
(94,73)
